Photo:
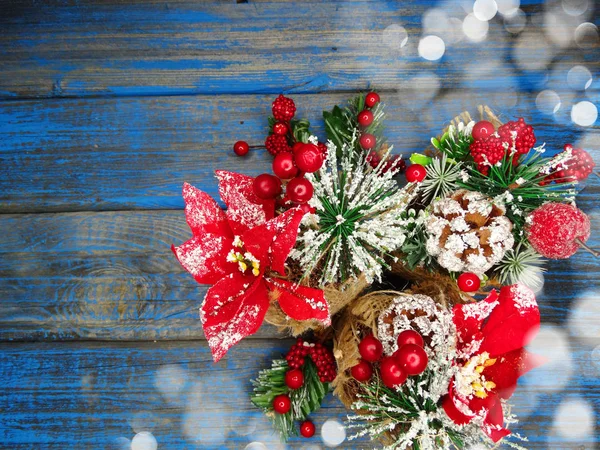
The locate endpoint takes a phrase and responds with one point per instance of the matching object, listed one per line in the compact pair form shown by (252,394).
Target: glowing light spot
(595,355)
(584,113)
(333,433)
(575,7)
(559,28)
(515,23)
(121,443)
(170,380)
(579,78)
(551,343)
(255,446)
(586,35)
(532,51)
(548,101)
(476,30)
(574,418)
(584,319)
(431,48)
(485,9)
(144,441)
(508,7)
(395,36)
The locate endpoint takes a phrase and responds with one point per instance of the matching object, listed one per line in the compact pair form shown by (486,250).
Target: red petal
(513,323)
(469,319)
(508,368)
(286,226)
(300,302)
(203,214)
(494,421)
(233,309)
(244,209)
(449,405)
(205,257)
(258,241)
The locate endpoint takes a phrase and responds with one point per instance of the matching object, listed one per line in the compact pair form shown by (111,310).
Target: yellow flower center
(471,380)
(244,260)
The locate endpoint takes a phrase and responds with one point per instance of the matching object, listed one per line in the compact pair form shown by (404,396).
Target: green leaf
(418,158)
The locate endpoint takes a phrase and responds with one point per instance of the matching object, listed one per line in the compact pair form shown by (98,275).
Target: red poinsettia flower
(491,357)
(239,251)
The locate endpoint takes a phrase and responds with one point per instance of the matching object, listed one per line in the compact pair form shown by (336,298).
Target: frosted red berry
(413,358)
(241,148)
(468,282)
(370,348)
(323,148)
(487,152)
(410,337)
(280,128)
(554,230)
(518,134)
(299,190)
(267,186)
(415,173)
(282,404)
(362,372)
(276,144)
(371,99)
(365,118)
(283,109)
(572,164)
(294,378)
(392,372)
(307,429)
(367,141)
(308,158)
(482,129)
(284,167)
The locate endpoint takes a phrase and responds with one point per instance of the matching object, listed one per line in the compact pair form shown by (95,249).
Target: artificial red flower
(491,358)
(238,251)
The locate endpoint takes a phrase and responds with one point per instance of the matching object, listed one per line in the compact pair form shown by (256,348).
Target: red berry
(308,158)
(410,337)
(283,166)
(365,118)
(468,282)
(323,148)
(283,109)
(307,209)
(392,373)
(276,144)
(518,135)
(297,146)
(299,190)
(307,429)
(412,358)
(282,404)
(266,186)
(362,371)
(240,148)
(482,129)
(367,141)
(370,348)
(415,173)
(371,99)
(280,128)
(294,379)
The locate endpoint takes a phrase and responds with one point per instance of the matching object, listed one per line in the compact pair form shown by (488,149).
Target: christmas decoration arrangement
(409,283)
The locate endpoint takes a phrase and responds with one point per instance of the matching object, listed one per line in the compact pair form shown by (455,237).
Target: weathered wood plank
(111,276)
(73,49)
(107,154)
(96,395)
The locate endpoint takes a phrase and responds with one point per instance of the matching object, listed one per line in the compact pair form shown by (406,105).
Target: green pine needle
(442,178)
(521,264)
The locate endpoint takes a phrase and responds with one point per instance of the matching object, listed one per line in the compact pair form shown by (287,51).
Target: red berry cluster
(283,108)
(321,356)
(489,147)
(409,359)
(374,159)
(576,168)
(276,144)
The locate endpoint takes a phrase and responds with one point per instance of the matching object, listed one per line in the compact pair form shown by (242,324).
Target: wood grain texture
(90,395)
(112,276)
(135,153)
(87,48)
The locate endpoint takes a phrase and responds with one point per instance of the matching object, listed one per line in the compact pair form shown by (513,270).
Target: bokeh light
(333,433)
(144,441)
(532,51)
(431,48)
(548,101)
(584,113)
(170,380)
(485,9)
(595,357)
(575,7)
(476,30)
(395,36)
(574,418)
(579,78)
(256,446)
(584,318)
(516,22)
(508,8)
(551,343)
(586,35)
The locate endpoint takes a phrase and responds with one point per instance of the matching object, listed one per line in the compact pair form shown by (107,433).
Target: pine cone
(468,232)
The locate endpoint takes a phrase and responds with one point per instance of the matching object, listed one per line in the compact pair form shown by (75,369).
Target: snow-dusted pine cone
(468,232)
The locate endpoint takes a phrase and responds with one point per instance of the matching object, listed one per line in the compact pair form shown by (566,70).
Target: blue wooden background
(106,107)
